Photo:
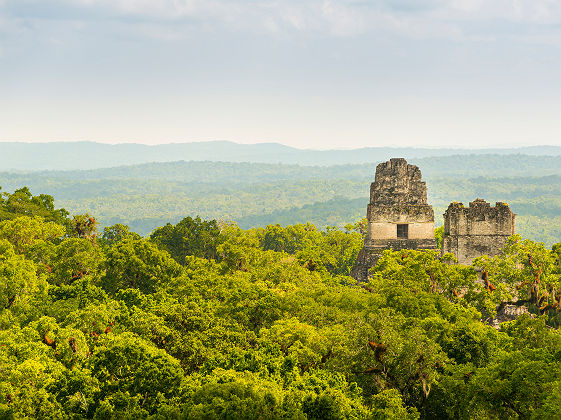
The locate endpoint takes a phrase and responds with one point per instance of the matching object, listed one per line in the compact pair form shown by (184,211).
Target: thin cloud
(416,18)
(541,12)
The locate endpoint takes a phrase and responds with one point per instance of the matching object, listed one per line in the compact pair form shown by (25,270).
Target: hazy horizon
(303,148)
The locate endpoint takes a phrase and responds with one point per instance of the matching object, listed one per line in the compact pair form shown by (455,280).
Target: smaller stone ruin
(479,229)
(398,214)
(507,312)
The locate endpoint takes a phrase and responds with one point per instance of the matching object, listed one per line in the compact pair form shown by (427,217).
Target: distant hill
(149,195)
(214,172)
(91,155)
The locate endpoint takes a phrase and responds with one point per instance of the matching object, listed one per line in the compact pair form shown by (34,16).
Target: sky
(306,73)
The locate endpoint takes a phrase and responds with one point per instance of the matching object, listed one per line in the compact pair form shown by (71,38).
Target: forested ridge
(256,194)
(203,319)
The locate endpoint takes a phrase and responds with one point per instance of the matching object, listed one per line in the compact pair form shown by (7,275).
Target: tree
(189,237)
(439,236)
(22,203)
(25,232)
(71,260)
(388,404)
(529,268)
(127,367)
(18,278)
(138,263)
(84,226)
(227,394)
(117,233)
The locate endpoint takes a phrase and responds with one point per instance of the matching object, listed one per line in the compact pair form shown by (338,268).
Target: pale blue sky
(306,73)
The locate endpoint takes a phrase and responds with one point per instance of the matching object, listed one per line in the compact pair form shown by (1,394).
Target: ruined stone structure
(479,229)
(398,214)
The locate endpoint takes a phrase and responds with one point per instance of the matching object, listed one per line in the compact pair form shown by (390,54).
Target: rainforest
(280,210)
(204,320)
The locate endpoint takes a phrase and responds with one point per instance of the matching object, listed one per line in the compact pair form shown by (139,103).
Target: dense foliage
(206,320)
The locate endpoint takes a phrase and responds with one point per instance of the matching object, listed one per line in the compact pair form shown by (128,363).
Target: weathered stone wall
(398,196)
(470,232)
(367,258)
(399,213)
(384,230)
(398,183)
(383,221)
(467,248)
(399,244)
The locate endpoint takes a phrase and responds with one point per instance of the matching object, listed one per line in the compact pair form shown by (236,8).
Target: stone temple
(479,229)
(398,214)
